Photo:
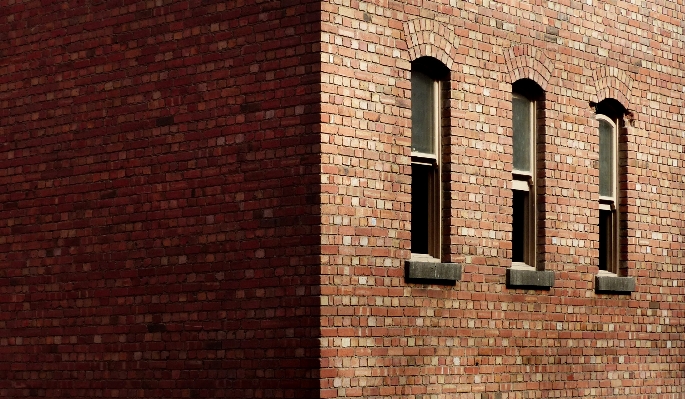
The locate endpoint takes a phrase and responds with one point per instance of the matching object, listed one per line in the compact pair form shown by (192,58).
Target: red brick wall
(385,337)
(159,199)
(211,199)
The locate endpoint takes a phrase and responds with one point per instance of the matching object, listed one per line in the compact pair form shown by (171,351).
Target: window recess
(524,125)
(426,166)
(610,114)
(525,272)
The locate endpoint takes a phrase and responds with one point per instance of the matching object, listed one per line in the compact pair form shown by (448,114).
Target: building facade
(307,199)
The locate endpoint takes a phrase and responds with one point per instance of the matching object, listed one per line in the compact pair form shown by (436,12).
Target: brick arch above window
(613,82)
(528,62)
(430,38)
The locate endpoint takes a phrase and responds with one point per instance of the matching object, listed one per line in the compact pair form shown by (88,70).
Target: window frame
(526,181)
(433,161)
(610,204)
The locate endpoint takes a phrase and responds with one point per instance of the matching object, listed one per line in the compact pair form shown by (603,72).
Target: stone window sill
(524,276)
(430,270)
(610,283)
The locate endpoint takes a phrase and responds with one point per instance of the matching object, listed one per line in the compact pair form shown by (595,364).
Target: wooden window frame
(609,206)
(434,192)
(525,181)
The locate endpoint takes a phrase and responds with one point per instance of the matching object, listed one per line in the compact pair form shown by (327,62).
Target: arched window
(428,76)
(526,114)
(610,116)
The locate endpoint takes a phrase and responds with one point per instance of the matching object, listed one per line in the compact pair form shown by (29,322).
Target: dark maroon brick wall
(158,199)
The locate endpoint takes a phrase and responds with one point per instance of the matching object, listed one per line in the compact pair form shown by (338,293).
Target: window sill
(523,276)
(610,283)
(431,270)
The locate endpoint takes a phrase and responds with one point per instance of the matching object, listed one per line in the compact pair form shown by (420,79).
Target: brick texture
(159,199)
(383,337)
(205,198)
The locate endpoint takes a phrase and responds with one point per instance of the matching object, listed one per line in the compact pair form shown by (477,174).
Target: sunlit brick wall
(385,337)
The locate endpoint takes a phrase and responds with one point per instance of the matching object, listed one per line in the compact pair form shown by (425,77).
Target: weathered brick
(490,340)
(159,164)
(212,199)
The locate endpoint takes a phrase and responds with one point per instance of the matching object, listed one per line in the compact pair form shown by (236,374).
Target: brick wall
(159,199)
(211,199)
(385,337)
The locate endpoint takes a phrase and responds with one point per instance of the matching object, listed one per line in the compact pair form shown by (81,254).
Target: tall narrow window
(608,187)
(525,97)
(426,200)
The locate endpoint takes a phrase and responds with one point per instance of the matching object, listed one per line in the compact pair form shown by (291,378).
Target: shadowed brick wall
(159,199)
(384,337)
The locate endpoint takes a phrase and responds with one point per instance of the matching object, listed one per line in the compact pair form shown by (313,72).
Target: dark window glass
(605,232)
(420,178)
(522,112)
(518,234)
(606,158)
(422,113)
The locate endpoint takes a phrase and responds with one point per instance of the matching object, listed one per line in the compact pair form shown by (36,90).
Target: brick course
(478,338)
(159,199)
(211,199)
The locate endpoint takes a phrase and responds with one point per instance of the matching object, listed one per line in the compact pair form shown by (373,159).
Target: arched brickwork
(529,62)
(427,37)
(613,82)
